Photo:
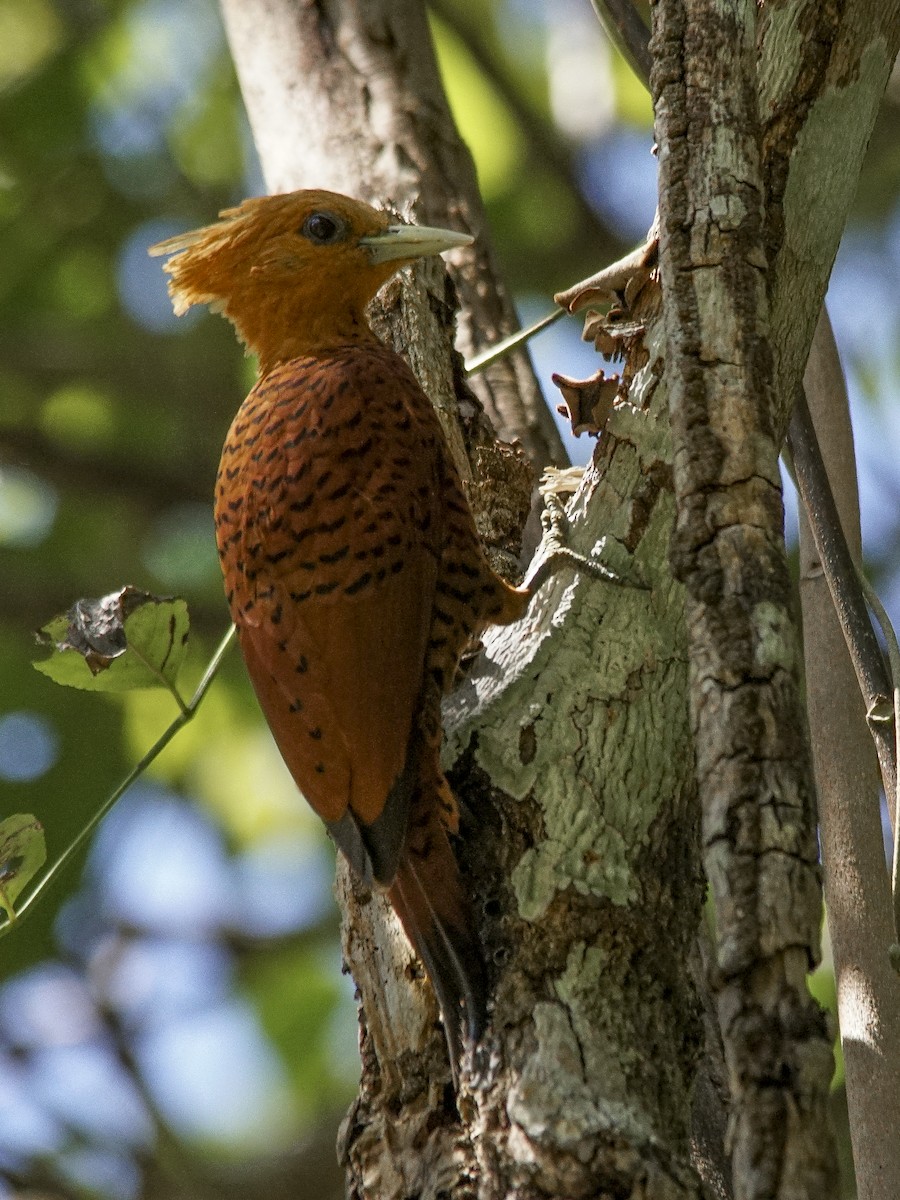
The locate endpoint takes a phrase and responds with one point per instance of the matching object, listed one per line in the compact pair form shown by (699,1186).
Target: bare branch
(625,29)
(837,565)
(850,826)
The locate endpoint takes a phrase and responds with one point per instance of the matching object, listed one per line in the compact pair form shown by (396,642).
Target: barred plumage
(352,565)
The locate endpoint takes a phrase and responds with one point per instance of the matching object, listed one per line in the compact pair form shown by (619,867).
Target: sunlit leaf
(821,986)
(128,639)
(22,854)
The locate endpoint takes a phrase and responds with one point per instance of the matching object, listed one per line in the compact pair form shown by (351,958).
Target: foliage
(121,642)
(22,854)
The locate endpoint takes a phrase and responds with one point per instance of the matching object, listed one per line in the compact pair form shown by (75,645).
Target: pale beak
(412,241)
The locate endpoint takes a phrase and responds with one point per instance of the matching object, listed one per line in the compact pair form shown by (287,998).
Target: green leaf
(22,854)
(123,641)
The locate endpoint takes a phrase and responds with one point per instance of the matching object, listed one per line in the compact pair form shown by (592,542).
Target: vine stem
(186,714)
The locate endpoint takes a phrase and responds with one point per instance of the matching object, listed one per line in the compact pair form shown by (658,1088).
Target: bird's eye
(322,228)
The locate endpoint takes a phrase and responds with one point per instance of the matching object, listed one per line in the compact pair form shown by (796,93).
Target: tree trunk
(754,769)
(569,740)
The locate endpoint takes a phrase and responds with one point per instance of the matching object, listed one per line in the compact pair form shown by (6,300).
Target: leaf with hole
(123,641)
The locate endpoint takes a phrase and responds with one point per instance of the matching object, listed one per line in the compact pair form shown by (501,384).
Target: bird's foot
(554,552)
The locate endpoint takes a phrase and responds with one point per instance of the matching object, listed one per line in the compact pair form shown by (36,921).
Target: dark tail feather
(428,897)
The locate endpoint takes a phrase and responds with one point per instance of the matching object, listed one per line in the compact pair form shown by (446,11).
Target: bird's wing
(332,579)
(339,685)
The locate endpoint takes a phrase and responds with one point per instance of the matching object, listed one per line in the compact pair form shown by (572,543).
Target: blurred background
(173,1016)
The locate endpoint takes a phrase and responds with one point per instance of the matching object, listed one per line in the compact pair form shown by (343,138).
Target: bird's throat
(281,327)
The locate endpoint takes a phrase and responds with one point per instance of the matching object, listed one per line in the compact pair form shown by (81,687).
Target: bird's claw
(554,520)
(555,553)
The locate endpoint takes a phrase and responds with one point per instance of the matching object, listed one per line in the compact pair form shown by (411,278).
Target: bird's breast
(329,478)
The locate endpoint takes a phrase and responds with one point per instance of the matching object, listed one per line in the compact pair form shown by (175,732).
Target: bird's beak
(411,241)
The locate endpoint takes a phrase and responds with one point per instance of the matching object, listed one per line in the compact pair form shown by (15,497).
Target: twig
(624,27)
(857,880)
(186,714)
(893,652)
(492,354)
(843,583)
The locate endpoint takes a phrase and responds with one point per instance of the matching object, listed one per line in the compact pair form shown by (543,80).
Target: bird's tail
(427,895)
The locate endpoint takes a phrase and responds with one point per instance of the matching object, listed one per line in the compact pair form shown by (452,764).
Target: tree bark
(582,850)
(823,70)
(729,213)
(754,770)
(591,875)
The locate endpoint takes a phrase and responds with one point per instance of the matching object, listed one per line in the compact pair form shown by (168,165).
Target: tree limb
(850,826)
(836,564)
(582,856)
(823,69)
(626,30)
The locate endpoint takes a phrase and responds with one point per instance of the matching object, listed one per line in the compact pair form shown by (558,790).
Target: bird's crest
(201,270)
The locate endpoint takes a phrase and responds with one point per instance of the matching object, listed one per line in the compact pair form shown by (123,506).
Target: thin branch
(843,583)
(857,887)
(624,27)
(892,715)
(492,354)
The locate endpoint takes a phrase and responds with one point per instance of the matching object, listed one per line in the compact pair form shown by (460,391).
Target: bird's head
(294,273)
